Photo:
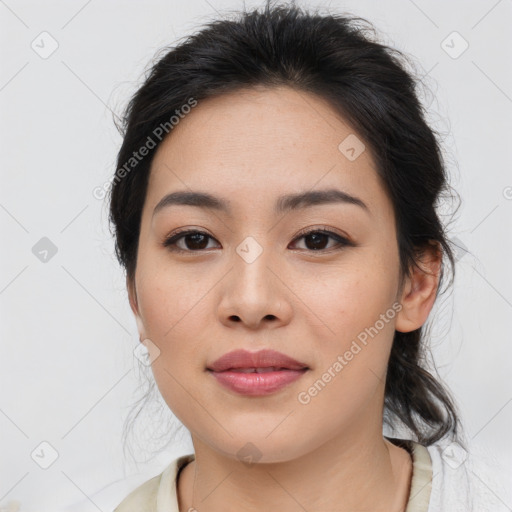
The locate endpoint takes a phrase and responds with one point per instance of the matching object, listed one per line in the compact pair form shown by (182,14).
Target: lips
(263,361)
(257,370)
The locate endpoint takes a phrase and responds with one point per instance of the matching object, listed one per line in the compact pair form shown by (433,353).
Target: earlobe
(140,328)
(132,296)
(420,290)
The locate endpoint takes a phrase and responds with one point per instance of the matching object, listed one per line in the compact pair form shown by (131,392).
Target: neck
(343,474)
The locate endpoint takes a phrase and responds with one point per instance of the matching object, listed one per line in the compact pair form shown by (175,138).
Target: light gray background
(67,334)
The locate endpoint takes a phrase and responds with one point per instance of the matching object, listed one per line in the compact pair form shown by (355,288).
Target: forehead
(261,142)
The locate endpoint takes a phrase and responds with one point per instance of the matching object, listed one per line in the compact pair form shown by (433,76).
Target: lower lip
(257,384)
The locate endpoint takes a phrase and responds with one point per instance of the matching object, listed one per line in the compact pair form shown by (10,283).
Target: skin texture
(250,147)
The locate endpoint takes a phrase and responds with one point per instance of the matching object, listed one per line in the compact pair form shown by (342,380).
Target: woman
(275,211)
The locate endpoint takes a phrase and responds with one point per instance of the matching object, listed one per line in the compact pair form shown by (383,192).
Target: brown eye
(197,241)
(193,240)
(318,240)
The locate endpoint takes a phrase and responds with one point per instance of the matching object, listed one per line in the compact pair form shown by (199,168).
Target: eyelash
(170,241)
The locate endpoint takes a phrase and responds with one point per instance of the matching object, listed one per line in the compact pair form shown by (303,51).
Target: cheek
(175,309)
(170,298)
(177,316)
(355,304)
(351,298)
(353,358)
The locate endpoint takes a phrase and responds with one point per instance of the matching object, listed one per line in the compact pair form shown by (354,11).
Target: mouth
(264,360)
(254,382)
(256,373)
(266,369)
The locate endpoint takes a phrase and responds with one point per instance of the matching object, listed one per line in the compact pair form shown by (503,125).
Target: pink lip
(227,368)
(261,359)
(257,384)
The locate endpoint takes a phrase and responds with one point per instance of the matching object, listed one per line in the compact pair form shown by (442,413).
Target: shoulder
(143,498)
(158,493)
(465,481)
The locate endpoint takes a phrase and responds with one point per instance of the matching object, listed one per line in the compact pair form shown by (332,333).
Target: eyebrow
(283,204)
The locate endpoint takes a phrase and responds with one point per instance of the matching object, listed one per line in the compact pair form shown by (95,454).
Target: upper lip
(261,359)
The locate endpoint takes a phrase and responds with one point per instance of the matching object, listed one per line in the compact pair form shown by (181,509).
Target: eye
(196,241)
(316,239)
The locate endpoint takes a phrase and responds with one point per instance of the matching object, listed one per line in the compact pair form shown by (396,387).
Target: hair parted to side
(338,58)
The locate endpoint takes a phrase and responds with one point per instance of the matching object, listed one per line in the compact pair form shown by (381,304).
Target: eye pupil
(317,239)
(196,238)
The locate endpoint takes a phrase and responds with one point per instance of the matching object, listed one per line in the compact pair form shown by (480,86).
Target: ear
(420,290)
(132,296)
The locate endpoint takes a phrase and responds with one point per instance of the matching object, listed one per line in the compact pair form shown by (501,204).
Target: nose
(255,294)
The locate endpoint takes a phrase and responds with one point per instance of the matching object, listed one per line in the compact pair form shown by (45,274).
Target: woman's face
(255,281)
